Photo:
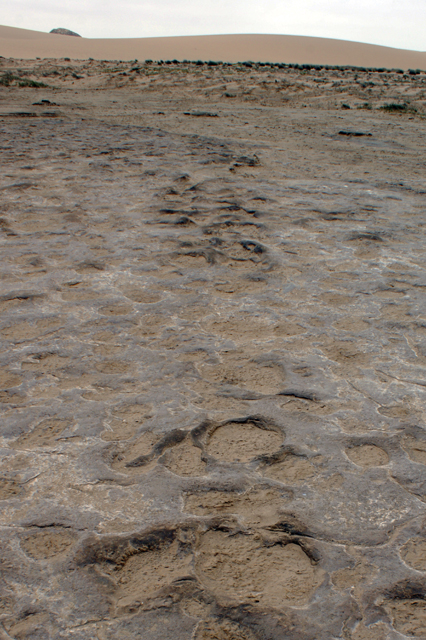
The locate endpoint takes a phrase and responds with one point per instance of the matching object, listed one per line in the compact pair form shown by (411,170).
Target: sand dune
(22,43)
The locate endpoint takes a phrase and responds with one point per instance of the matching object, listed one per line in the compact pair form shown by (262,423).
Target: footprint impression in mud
(405,606)
(142,295)
(48,543)
(260,506)
(46,434)
(413,552)
(8,379)
(187,453)
(367,455)
(415,448)
(241,371)
(241,328)
(26,331)
(232,568)
(175,451)
(125,421)
(222,630)
(243,568)
(290,469)
(242,440)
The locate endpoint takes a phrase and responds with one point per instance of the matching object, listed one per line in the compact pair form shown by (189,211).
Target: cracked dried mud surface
(212,376)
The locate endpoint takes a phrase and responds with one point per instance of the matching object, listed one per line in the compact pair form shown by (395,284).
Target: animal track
(45,434)
(222,630)
(290,470)
(257,507)
(244,372)
(243,441)
(47,543)
(8,380)
(367,455)
(142,448)
(9,489)
(184,460)
(241,568)
(126,421)
(150,573)
(415,448)
(414,553)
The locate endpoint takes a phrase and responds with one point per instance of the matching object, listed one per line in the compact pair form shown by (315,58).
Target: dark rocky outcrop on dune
(65,32)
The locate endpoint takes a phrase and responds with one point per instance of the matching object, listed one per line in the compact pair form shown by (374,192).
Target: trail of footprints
(237,561)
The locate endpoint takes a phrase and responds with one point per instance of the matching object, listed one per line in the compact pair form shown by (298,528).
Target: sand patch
(336,299)
(286,328)
(112,367)
(377,631)
(353,578)
(239,287)
(26,331)
(401,411)
(116,310)
(345,353)
(151,325)
(351,324)
(45,363)
(80,294)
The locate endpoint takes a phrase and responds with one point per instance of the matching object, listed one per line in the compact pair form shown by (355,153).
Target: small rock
(65,32)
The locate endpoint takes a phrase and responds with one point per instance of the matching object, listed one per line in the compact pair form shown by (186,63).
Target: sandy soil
(213,332)
(22,43)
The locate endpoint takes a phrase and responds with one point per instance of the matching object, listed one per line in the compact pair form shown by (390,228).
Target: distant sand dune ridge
(26,44)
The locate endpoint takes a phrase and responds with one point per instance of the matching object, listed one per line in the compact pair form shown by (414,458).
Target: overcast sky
(394,23)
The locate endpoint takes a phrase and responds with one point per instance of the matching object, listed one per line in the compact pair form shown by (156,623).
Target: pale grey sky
(388,22)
